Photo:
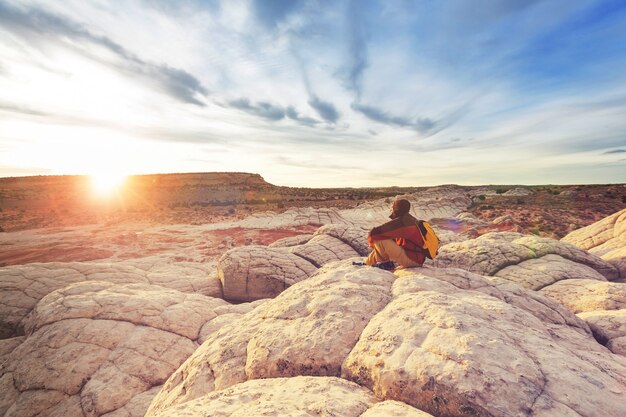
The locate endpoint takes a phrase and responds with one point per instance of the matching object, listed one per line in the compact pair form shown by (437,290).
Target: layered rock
(538,273)
(301,396)
(95,348)
(23,286)
(291,241)
(601,304)
(294,217)
(443,202)
(253,272)
(518,192)
(582,295)
(354,237)
(605,238)
(609,327)
(307,330)
(323,249)
(491,253)
(454,351)
(446,341)
(438,202)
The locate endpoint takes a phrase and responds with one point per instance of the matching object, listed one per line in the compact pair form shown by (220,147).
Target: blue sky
(317,93)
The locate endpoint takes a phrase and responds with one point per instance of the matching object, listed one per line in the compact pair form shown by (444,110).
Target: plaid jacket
(405,232)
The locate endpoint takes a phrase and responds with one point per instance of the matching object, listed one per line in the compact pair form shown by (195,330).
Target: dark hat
(399,208)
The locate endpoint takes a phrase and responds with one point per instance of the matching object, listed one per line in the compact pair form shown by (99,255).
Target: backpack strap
(420,225)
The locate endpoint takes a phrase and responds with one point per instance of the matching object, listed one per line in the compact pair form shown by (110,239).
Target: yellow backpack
(431,241)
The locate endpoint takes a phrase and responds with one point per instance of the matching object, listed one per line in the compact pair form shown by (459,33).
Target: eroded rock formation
(94,348)
(606,238)
(601,304)
(491,253)
(24,285)
(445,341)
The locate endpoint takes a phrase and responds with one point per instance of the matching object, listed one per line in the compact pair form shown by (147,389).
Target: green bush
(482,197)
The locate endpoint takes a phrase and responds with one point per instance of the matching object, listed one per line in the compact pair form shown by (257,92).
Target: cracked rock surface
(354,237)
(253,272)
(323,249)
(491,253)
(605,238)
(307,330)
(298,396)
(24,285)
(609,327)
(601,304)
(581,295)
(538,273)
(445,341)
(98,348)
(438,202)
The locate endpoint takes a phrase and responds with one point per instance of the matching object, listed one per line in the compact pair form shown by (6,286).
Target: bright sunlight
(105,184)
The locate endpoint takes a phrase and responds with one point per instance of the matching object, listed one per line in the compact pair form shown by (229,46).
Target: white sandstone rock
(253,272)
(583,295)
(492,252)
(538,273)
(307,330)
(97,348)
(462,352)
(298,396)
(605,238)
(23,286)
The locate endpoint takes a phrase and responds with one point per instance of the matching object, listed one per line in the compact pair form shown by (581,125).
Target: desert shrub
(624,199)
(486,207)
(502,190)
(520,201)
(482,197)
(231,210)
(554,192)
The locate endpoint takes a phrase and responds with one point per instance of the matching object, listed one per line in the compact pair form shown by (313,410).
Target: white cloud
(446,106)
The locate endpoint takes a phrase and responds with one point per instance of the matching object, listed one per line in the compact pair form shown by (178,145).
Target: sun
(105,184)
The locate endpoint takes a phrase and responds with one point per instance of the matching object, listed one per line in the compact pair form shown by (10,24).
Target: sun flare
(104,184)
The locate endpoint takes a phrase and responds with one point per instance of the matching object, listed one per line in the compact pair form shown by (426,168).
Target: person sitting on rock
(398,240)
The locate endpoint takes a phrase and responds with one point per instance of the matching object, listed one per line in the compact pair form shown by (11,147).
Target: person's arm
(387,230)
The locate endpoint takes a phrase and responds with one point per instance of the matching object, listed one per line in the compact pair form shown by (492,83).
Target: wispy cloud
(357,62)
(261,109)
(293,114)
(39,26)
(481,87)
(326,110)
(425,126)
